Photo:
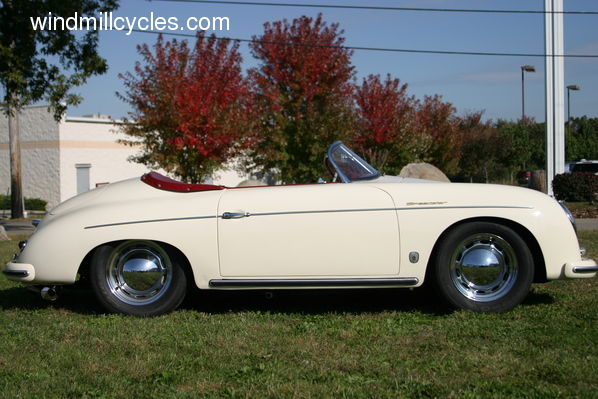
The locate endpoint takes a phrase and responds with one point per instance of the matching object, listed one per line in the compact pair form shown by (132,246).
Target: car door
(308,230)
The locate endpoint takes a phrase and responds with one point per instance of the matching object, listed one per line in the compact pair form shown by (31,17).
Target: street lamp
(569,88)
(525,68)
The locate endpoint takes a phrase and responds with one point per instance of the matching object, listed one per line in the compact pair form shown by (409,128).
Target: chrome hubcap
(138,272)
(484,267)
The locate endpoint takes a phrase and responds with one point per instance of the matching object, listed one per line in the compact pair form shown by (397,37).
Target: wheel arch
(85,265)
(522,231)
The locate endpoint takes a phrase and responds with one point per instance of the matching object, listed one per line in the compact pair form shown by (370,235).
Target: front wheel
(484,267)
(138,278)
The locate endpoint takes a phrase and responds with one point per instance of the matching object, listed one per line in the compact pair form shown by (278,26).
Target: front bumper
(585,268)
(20,272)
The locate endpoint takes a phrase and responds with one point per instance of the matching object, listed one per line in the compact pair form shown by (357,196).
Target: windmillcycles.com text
(107,21)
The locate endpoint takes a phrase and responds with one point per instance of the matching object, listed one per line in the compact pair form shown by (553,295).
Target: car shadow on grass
(315,302)
(81,301)
(423,300)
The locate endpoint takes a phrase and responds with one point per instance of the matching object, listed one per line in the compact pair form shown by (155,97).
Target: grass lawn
(374,344)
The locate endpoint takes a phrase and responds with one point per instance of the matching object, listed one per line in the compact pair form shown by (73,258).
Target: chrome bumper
(586,268)
(20,272)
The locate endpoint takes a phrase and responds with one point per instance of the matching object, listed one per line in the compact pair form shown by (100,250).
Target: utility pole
(555,85)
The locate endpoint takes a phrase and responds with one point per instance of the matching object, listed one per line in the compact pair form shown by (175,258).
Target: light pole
(525,68)
(569,88)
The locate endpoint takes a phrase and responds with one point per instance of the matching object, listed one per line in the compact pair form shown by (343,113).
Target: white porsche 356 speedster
(142,242)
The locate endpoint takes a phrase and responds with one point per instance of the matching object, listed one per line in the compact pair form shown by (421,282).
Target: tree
(191,107)
(528,148)
(438,122)
(582,139)
(385,118)
(394,129)
(302,89)
(44,64)
(484,149)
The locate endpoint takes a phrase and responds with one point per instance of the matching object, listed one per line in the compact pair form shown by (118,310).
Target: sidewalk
(17,226)
(587,224)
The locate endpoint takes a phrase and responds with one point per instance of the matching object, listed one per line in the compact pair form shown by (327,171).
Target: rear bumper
(20,272)
(585,268)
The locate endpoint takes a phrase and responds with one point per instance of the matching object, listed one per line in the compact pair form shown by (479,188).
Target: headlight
(569,215)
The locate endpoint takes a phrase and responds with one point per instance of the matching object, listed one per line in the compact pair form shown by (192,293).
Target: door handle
(235,215)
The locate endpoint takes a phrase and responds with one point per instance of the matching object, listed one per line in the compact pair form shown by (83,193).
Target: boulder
(3,235)
(251,182)
(423,171)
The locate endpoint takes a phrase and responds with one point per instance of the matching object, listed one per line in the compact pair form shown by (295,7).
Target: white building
(62,159)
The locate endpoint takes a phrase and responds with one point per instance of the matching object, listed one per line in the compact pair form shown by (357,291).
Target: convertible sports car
(142,241)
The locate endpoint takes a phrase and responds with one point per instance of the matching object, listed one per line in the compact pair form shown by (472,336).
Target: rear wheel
(483,267)
(139,278)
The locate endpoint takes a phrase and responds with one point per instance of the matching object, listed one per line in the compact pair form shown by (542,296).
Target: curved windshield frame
(348,166)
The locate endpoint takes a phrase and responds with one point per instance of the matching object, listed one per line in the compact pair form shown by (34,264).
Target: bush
(575,187)
(31,204)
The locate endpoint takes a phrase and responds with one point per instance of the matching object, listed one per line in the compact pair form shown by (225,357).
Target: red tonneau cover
(157,180)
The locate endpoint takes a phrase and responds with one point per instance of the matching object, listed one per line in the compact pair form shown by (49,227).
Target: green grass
(374,344)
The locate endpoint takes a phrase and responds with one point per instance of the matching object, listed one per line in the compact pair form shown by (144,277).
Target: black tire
(137,278)
(483,267)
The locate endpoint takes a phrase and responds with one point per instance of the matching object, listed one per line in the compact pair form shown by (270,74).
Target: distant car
(585,166)
(523,177)
(142,242)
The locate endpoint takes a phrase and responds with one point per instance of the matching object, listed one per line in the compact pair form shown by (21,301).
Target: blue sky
(471,82)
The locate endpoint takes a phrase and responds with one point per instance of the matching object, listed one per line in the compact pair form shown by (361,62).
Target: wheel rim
(138,272)
(484,267)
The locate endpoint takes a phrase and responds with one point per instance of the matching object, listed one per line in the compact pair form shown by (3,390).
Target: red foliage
(302,88)
(384,114)
(384,109)
(395,129)
(190,105)
(305,58)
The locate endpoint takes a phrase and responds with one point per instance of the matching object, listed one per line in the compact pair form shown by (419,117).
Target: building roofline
(86,119)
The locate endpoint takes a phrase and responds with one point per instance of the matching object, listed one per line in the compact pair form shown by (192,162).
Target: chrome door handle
(235,215)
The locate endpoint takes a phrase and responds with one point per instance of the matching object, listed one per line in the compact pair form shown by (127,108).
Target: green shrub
(575,187)
(31,204)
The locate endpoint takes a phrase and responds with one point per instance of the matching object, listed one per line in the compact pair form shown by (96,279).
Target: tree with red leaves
(385,118)
(302,89)
(394,129)
(438,122)
(191,110)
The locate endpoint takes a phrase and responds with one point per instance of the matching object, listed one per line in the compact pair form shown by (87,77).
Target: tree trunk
(537,181)
(16,186)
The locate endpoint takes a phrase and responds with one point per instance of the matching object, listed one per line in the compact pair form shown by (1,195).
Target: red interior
(161,182)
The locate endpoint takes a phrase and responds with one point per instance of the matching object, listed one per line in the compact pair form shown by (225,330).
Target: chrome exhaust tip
(50,293)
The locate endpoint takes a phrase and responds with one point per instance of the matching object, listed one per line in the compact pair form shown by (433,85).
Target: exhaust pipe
(49,293)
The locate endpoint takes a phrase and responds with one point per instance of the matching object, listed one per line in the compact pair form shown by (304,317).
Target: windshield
(346,166)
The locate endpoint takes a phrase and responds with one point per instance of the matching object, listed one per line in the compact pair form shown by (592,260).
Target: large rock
(423,171)
(251,183)
(3,235)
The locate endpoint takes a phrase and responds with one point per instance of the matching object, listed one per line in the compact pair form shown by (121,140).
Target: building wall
(40,154)
(53,152)
(93,142)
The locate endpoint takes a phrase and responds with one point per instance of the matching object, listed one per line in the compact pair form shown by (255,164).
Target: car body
(143,241)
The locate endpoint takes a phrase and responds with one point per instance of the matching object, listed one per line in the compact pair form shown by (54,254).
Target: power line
(376,8)
(377,48)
